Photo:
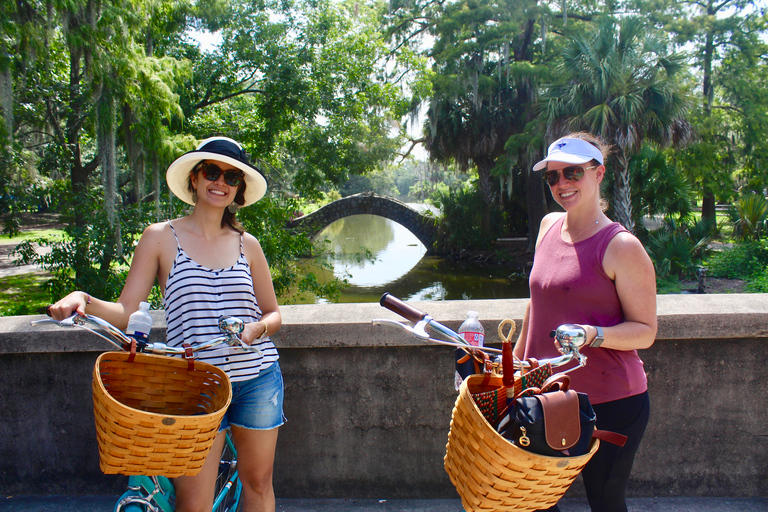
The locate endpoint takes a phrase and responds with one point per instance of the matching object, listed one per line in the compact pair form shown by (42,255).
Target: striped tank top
(196,297)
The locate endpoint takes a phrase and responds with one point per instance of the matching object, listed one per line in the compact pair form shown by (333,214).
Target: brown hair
(229,218)
(604,148)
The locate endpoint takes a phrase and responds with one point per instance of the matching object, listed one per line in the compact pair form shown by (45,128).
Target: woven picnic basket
(492,474)
(156,415)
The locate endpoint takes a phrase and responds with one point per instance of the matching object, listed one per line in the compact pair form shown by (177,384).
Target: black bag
(554,421)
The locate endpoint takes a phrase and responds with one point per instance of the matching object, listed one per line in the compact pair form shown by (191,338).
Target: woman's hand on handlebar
(577,335)
(65,307)
(253,331)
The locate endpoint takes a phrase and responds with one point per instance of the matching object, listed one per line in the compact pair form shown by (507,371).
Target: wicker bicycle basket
(492,474)
(156,415)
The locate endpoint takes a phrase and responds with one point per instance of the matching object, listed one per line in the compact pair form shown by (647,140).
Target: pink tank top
(569,286)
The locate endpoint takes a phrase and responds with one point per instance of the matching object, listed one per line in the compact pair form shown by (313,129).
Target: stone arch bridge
(421,225)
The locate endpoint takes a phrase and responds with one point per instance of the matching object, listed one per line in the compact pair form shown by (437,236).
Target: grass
(24,294)
(27,235)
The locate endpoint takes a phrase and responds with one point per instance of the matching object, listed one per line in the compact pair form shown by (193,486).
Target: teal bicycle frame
(157,494)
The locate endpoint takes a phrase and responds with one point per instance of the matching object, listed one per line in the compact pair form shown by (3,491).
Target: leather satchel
(552,420)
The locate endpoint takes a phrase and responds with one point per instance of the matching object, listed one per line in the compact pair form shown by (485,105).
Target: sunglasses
(211,172)
(571,173)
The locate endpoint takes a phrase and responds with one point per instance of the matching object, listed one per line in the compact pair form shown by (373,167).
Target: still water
(377,255)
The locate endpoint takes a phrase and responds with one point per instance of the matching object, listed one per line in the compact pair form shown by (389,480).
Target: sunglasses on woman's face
(211,172)
(571,173)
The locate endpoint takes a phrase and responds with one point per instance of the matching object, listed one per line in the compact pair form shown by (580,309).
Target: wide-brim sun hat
(570,151)
(221,149)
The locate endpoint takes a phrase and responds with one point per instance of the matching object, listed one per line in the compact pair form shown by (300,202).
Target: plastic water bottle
(472,330)
(140,323)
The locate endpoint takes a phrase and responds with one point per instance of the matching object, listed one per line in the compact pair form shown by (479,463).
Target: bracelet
(266,328)
(87,299)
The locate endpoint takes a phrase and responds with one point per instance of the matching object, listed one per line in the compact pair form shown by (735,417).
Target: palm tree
(619,82)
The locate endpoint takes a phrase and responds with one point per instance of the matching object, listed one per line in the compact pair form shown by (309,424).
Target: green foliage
(377,181)
(678,249)
(741,261)
(103,271)
(462,215)
(658,189)
(749,216)
(758,282)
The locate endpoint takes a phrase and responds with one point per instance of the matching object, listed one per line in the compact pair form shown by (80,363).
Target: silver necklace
(574,238)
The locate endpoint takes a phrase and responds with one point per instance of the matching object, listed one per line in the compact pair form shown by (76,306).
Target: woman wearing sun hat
(592,272)
(208,267)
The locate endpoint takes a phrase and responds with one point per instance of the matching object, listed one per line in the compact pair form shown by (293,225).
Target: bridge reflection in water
(397,264)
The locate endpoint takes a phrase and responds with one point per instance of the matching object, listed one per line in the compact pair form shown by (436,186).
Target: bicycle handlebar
(230,326)
(569,336)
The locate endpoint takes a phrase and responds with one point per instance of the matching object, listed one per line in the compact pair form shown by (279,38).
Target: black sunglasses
(571,173)
(211,172)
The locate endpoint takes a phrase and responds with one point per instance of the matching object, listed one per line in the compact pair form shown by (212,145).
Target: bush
(742,261)
(677,250)
(467,222)
(749,217)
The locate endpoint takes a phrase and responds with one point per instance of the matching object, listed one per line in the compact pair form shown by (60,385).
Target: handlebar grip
(395,305)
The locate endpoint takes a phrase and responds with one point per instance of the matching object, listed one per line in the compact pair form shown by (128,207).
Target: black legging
(607,473)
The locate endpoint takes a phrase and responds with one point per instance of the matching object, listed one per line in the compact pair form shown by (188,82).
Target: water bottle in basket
(140,323)
(472,331)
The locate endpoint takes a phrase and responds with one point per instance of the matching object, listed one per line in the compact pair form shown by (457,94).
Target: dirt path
(29,222)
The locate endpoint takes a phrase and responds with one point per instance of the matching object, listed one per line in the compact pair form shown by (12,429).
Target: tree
(617,80)
(110,90)
(714,32)
(483,85)
(304,86)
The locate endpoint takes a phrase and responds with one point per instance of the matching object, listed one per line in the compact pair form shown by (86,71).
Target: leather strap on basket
(132,355)
(189,355)
(562,423)
(610,437)
(558,381)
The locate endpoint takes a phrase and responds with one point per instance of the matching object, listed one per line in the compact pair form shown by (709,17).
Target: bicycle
(488,470)
(156,493)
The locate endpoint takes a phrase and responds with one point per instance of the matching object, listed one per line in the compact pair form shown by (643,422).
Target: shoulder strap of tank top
(555,228)
(607,234)
(178,244)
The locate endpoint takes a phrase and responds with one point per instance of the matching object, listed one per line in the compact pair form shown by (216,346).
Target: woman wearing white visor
(592,272)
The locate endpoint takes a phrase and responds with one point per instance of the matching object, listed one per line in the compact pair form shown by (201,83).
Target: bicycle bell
(231,325)
(570,334)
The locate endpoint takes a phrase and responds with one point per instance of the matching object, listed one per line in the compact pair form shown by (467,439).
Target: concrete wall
(369,408)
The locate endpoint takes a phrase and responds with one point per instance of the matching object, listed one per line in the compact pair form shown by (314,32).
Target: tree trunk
(536,202)
(708,209)
(487,192)
(106,141)
(133,150)
(622,194)
(6,100)
(156,184)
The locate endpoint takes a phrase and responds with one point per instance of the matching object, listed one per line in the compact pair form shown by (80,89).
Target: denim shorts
(257,404)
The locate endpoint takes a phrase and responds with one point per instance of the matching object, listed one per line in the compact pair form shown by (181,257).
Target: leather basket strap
(610,437)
